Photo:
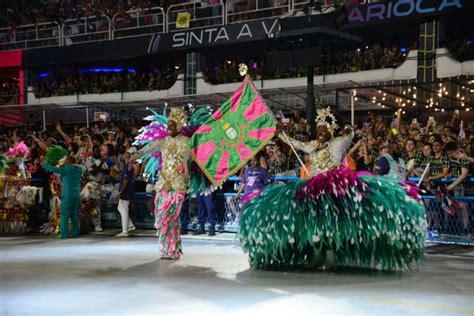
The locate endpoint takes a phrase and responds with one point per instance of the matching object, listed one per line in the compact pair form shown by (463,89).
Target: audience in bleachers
(9,91)
(106,82)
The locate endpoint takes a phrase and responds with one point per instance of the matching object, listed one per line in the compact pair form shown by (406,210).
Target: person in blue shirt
(71,174)
(126,194)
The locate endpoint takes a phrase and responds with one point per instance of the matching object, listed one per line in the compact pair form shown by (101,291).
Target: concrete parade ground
(103,275)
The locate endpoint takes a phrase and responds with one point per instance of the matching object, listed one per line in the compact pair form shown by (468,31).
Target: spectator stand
(203,14)
(138,22)
(86,29)
(238,11)
(29,36)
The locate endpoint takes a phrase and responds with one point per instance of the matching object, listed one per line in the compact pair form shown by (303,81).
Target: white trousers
(123,207)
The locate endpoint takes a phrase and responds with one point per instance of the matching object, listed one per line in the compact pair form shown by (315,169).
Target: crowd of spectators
(462,50)
(416,141)
(106,82)
(21,12)
(9,91)
(372,57)
(376,56)
(101,149)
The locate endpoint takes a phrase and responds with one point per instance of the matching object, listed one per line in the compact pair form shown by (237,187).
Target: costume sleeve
(51,168)
(152,147)
(340,146)
(307,147)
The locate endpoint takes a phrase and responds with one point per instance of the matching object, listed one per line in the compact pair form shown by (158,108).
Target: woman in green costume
(337,217)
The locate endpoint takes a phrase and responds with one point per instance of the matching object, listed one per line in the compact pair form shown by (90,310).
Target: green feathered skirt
(362,220)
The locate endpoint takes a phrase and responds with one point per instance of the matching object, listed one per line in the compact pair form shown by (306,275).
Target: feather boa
(19,149)
(363,219)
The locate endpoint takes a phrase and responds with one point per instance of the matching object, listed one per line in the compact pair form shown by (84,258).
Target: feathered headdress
(19,150)
(178,116)
(324,117)
(55,154)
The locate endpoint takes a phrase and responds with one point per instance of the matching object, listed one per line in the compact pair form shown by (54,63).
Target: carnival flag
(233,135)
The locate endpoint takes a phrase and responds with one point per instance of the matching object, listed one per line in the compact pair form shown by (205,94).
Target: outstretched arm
(307,147)
(150,148)
(51,168)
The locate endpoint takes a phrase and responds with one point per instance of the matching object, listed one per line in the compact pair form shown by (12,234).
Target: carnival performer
(13,178)
(357,219)
(71,195)
(172,184)
(55,156)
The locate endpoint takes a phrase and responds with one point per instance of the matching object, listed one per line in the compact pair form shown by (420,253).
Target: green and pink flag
(240,128)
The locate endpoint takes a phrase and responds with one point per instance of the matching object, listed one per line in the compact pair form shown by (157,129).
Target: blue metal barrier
(443,227)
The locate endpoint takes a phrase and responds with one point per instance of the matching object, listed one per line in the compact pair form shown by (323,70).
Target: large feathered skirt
(361,219)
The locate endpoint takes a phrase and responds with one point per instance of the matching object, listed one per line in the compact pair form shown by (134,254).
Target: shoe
(131,228)
(122,234)
(184,231)
(212,231)
(98,229)
(168,257)
(200,231)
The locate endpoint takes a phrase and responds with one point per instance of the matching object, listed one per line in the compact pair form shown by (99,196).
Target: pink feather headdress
(19,149)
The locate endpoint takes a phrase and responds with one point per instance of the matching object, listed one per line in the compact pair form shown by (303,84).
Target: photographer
(275,159)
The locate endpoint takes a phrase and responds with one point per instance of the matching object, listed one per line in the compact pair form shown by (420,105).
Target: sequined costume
(52,226)
(337,217)
(13,217)
(13,179)
(170,191)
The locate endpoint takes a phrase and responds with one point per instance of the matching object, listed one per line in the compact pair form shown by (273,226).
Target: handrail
(194,18)
(36,29)
(225,18)
(146,13)
(256,10)
(86,25)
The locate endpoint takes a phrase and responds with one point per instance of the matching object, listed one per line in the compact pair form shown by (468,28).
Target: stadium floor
(102,275)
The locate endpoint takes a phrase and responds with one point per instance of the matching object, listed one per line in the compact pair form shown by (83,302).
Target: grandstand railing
(443,227)
(253,10)
(86,29)
(138,22)
(148,21)
(30,36)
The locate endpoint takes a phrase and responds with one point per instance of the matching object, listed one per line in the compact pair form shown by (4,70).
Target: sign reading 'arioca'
(380,11)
